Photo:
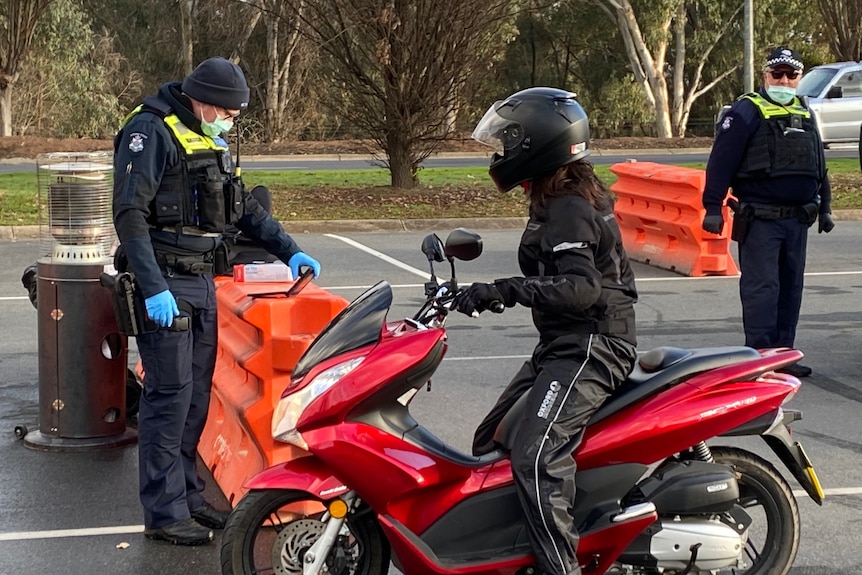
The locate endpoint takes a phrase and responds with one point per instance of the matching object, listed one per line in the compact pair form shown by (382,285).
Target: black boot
(209,516)
(183,532)
(796,370)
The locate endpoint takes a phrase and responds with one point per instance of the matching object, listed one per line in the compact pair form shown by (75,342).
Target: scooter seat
(656,370)
(664,367)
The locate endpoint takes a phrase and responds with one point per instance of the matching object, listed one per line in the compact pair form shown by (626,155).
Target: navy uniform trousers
(772,264)
(178,370)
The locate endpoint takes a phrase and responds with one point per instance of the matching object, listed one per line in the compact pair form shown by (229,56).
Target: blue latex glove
(300,260)
(162,308)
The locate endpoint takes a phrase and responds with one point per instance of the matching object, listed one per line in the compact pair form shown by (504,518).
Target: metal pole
(748,45)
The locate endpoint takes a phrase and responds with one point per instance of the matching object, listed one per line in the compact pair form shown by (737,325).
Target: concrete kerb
(20,233)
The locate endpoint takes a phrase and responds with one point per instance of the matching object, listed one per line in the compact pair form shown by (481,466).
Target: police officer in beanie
(767,149)
(175,191)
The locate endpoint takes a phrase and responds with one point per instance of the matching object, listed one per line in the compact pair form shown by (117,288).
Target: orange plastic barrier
(260,341)
(659,211)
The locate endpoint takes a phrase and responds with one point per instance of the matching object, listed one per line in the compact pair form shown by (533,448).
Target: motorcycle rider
(581,289)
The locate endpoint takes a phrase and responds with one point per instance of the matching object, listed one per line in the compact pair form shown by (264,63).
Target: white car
(833,93)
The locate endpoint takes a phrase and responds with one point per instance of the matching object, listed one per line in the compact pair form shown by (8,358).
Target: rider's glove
(300,260)
(162,308)
(713,224)
(825,223)
(476,298)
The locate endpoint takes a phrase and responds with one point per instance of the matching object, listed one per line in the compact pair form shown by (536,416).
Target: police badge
(136,142)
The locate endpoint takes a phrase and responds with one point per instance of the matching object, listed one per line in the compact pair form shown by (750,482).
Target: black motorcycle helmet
(533,132)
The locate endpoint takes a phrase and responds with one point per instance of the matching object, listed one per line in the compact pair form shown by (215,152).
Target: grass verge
(365,194)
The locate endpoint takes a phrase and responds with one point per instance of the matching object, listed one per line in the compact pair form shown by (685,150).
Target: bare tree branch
(843,19)
(399,66)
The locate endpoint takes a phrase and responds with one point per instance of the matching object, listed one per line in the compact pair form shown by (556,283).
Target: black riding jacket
(578,276)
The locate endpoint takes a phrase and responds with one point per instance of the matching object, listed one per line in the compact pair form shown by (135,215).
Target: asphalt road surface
(66,513)
(356,162)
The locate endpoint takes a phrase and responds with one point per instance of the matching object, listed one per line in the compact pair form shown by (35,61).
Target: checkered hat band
(784,60)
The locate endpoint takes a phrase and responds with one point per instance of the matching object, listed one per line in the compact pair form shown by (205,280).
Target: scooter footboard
(307,474)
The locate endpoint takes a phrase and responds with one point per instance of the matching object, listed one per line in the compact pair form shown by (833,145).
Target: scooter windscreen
(358,325)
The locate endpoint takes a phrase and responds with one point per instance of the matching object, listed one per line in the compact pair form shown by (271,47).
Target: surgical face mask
(781,94)
(217,126)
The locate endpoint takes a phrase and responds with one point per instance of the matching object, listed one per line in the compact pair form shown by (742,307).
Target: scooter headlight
(291,407)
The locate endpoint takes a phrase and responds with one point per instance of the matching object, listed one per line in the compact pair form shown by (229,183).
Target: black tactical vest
(785,143)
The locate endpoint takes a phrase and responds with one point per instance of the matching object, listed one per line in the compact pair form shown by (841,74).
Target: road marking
(382,256)
(427,276)
(485,358)
(131,529)
(66,533)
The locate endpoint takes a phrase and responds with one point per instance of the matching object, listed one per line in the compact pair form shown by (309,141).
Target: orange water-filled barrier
(659,212)
(260,340)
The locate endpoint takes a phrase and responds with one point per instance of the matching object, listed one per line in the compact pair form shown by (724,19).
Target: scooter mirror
(432,247)
(463,244)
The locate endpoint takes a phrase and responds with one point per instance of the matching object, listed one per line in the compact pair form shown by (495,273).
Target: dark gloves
(713,224)
(476,298)
(30,282)
(825,223)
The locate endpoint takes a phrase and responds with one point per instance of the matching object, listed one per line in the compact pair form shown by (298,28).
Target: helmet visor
(498,132)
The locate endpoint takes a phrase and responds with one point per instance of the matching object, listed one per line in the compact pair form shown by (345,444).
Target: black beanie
(218,81)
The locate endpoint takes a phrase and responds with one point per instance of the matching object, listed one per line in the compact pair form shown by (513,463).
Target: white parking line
(427,276)
(66,533)
(382,256)
(131,529)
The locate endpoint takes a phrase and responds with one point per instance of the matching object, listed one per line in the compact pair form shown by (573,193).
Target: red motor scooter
(652,497)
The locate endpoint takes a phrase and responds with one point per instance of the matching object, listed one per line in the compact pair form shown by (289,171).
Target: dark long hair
(575,178)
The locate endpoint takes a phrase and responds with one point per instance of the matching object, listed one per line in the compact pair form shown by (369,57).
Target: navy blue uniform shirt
(144,150)
(730,145)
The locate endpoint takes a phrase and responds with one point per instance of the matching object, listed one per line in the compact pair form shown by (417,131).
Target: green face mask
(216,127)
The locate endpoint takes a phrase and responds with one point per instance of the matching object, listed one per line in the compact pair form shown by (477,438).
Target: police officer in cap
(175,191)
(767,149)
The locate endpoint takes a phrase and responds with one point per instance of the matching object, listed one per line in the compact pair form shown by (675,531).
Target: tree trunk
(5,108)
(186,52)
(273,82)
(400,163)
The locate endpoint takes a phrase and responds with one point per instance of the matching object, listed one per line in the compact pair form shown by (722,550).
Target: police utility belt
(186,264)
(745,213)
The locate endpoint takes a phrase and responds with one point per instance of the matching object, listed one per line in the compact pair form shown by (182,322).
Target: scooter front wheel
(773,537)
(270,531)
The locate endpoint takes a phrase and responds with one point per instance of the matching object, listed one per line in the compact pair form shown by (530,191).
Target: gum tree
(668,44)
(18,21)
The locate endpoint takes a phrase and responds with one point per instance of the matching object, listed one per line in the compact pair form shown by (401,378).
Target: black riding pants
(566,382)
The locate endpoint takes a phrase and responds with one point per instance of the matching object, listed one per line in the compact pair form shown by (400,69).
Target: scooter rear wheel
(269,531)
(774,535)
